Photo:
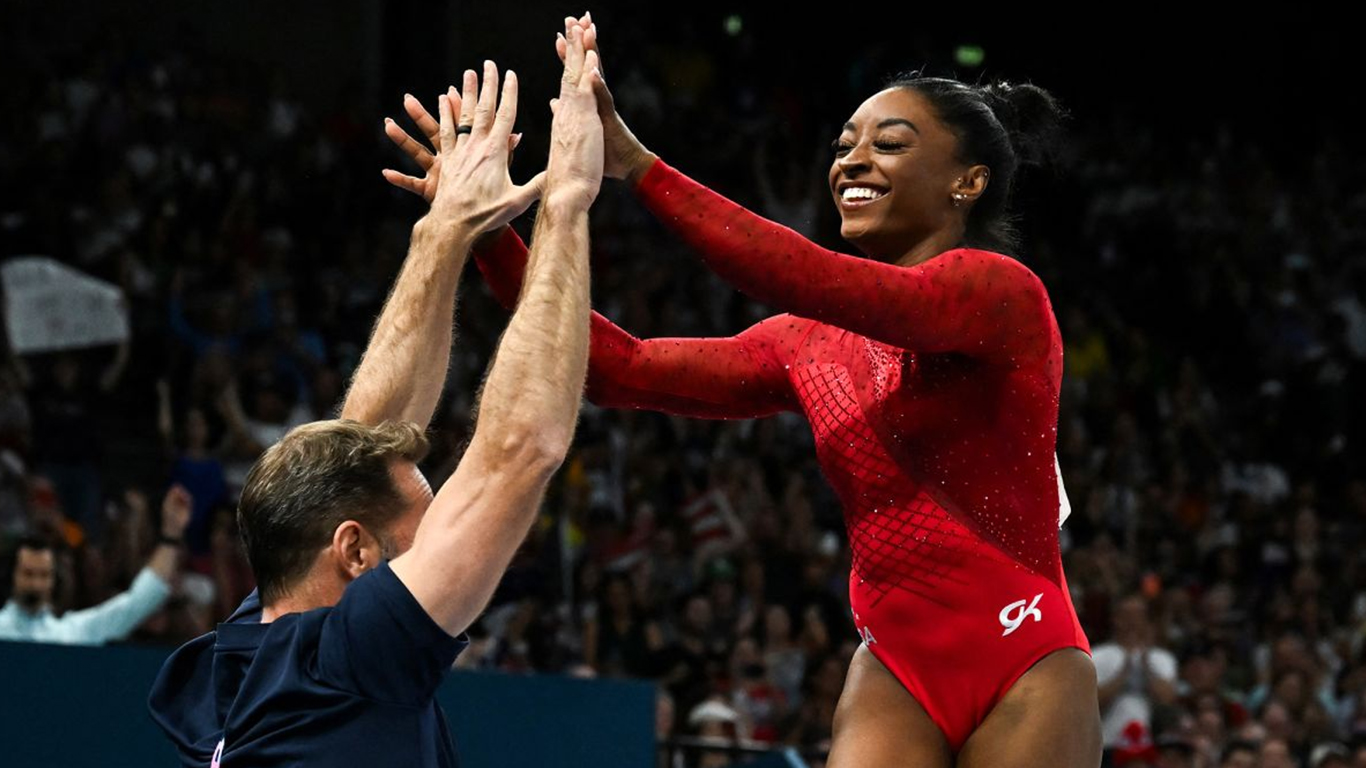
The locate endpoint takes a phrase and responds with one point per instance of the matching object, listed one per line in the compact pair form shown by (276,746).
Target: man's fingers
(573,61)
(590,39)
(410,146)
(507,108)
(488,100)
(423,119)
(444,108)
(590,68)
(468,100)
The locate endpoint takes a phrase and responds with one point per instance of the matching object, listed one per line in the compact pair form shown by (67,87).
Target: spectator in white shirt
(29,616)
(1133,674)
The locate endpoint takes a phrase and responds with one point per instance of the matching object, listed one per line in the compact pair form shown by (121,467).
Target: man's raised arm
(531,398)
(404,367)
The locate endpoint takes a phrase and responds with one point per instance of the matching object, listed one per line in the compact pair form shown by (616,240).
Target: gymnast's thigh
(1049,718)
(879,724)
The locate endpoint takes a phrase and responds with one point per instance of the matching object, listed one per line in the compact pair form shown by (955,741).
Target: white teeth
(860,193)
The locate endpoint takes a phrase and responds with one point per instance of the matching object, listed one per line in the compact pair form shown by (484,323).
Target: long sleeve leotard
(932,390)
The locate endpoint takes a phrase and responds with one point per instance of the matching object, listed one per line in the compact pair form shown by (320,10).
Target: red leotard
(932,393)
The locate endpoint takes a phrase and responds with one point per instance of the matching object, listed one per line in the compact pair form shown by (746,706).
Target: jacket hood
(196,687)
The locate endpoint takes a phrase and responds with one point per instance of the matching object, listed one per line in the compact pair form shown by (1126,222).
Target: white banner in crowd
(50,306)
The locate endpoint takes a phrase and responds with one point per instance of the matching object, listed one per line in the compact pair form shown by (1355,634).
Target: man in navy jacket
(365,581)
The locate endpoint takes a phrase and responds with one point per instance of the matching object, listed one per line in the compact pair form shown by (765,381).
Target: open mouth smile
(860,195)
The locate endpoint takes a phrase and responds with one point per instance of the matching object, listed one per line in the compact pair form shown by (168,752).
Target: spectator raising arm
(118,616)
(28,616)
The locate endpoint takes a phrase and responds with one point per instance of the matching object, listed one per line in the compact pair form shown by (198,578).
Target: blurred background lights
(969,55)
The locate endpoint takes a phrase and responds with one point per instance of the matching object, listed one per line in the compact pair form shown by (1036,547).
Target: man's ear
(354,549)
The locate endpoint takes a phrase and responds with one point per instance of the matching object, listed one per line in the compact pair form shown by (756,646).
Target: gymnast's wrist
(640,167)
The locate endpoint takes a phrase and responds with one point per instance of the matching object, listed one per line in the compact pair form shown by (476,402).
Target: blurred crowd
(1211,294)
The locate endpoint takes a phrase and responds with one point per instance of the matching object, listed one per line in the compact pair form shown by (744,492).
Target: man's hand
(624,156)
(466,179)
(530,401)
(404,367)
(175,512)
(427,125)
(574,171)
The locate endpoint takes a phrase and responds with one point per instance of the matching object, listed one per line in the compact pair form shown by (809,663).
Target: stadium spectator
(29,613)
(1134,675)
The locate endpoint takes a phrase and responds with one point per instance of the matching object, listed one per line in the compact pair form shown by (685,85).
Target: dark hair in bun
(1001,126)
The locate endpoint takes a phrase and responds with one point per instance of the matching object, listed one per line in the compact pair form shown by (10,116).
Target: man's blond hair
(318,476)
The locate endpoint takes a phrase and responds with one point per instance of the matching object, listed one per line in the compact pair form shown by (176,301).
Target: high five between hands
(588,141)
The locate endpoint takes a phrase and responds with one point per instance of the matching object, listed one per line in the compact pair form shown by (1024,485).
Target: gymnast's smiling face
(894,174)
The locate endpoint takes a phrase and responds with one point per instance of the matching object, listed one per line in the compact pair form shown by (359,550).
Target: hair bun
(1031,116)
(1001,126)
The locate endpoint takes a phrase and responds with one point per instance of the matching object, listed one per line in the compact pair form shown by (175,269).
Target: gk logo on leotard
(1013,615)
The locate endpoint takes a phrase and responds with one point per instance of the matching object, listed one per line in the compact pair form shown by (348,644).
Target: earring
(958,198)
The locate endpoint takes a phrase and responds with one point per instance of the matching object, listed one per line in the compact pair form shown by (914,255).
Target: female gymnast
(929,370)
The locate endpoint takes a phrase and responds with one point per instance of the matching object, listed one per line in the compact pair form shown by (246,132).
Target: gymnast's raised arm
(973,302)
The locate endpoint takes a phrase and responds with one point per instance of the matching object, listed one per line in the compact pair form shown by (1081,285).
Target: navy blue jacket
(353,684)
